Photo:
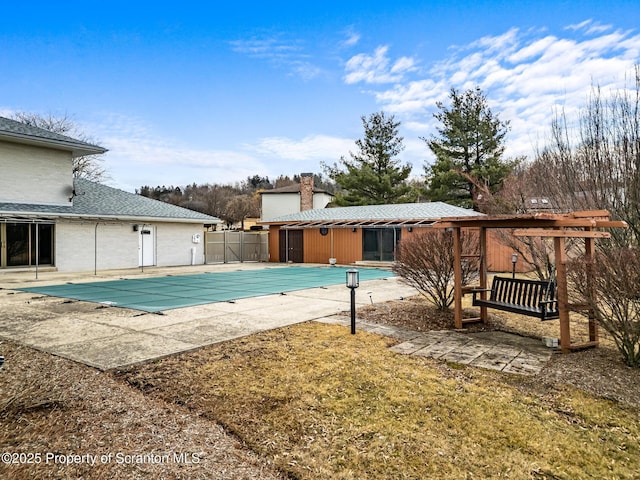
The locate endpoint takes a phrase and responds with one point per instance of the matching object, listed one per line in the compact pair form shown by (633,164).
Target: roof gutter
(353,224)
(76,149)
(6,217)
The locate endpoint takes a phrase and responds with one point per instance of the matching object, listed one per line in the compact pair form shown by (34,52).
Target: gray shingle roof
(18,131)
(392,212)
(94,200)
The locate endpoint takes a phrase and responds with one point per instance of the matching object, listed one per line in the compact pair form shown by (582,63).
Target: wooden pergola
(560,227)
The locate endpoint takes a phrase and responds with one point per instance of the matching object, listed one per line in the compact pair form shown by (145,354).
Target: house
(48,218)
(293,198)
(347,235)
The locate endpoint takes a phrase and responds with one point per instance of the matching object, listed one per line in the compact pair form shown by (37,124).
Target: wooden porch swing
(546,300)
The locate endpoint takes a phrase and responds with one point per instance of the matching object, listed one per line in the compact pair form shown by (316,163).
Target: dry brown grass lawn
(314,402)
(322,404)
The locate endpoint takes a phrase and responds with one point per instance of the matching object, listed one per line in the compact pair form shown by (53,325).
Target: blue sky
(212,92)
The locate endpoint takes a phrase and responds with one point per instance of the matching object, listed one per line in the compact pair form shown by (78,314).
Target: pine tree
(373,175)
(468,150)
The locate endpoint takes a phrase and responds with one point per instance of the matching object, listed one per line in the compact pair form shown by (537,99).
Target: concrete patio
(107,337)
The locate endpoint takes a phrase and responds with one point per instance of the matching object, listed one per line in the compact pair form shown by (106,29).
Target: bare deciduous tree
(426,262)
(598,167)
(615,278)
(241,207)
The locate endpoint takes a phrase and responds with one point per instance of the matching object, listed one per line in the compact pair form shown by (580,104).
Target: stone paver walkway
(494,350)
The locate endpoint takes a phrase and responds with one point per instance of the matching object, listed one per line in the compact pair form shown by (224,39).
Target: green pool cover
(166,293)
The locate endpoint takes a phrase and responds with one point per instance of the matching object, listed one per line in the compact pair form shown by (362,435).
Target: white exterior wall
(35,175)
(118,245)
(321,200)
(278,204)
(75,246)
(174,242)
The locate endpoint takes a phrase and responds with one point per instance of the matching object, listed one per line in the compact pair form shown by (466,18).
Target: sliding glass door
(379,244)
(26,244)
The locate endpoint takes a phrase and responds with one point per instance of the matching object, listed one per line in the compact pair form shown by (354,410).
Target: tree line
(232,203)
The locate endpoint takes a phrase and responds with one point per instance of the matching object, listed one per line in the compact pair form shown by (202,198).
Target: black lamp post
(353,282)
(514,260)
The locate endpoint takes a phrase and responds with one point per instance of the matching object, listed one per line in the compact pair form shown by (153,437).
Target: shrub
(615,296)
(426,262)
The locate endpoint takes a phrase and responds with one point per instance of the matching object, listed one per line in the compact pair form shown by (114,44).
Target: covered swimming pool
(169,292)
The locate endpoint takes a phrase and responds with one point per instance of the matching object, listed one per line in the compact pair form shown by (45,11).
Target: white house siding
(276,205)
(35,175)
(279,204)
(76,242)
(117,245)
(174,242)
(321,200)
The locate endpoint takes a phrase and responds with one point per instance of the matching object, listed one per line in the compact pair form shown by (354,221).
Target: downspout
(95,250)
(332,255)
(142,247)
(286,255)
(37,249)
(394,243)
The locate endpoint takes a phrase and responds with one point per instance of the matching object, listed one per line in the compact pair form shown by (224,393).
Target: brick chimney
(306,191)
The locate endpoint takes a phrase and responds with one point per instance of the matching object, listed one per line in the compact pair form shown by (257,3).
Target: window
(379,244)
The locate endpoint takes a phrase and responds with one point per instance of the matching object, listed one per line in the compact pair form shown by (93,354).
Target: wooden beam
(471,320)
(457,277)
(591,213)
(574,347)
(482,272)
(539,232)
(562,292)
(611,224)
(590,254)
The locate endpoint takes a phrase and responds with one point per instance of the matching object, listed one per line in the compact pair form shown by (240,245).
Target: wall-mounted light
(410,229)
(354,229)
(135,227)
(514,260)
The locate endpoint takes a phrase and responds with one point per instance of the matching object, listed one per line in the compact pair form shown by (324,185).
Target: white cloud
(268,47)
(525,75)
(377,68)
(310,148)
(285,53)
(137,156)
(352,38)
(589,26)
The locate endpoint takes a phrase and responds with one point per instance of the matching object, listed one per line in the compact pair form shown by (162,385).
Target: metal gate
(229,247)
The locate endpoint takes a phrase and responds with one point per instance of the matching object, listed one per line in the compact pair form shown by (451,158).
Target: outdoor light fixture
(353,282)
(353,278)
(514,260)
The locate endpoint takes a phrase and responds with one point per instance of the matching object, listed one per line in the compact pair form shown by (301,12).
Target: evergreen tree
(373,175)
(468,150)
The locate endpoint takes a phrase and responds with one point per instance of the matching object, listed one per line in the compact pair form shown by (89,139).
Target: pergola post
(457,277)
(589,257)
(563,293)
(482,272)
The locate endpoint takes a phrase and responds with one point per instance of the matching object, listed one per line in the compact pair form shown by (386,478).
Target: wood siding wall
(499,256)
(347,245)
(347,248)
